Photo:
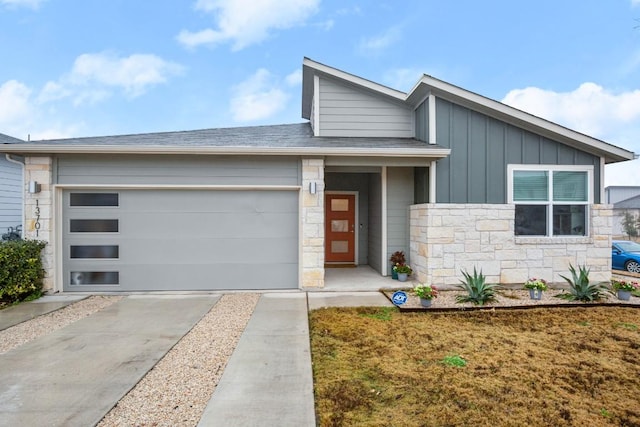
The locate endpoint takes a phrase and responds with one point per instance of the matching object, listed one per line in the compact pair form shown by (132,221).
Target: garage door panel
(195,225)
(181,201)
(209,251)
(191,277)
(186,240)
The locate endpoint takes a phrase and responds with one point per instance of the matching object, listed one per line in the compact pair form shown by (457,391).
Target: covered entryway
(182,239)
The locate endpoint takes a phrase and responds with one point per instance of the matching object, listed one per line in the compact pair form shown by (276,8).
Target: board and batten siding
(347,111)
(482,147)
(177,170)
(10,195)
(399,198)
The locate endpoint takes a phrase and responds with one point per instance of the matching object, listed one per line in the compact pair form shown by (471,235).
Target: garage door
(139,240)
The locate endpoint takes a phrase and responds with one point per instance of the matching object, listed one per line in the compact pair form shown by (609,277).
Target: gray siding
(617,194)
(482,147)
(399,198)
(178,170)
(375,222)
(422,121)
(354,182)
(347,111)
(10,195)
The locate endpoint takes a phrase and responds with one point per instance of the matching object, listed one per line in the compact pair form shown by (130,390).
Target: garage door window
(94,199)
(95,251)
(95,278)
(93,226)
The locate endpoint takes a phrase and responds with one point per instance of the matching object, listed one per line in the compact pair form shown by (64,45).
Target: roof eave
(268,151)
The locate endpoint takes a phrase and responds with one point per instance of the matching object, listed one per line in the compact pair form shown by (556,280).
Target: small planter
(402,277)
(535,294)
(394,274)
(624,295)
(425,302)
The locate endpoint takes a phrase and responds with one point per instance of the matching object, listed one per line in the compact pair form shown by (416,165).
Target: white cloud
(247,22)
(259,97)
(295,78)
(21,116)
(94,76)
(32,4)
(14,103)
(635,3)
(377,44)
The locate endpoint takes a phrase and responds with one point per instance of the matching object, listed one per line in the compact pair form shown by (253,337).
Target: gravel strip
(27,331)
(176,391)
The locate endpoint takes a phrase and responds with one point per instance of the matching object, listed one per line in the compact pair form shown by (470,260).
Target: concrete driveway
(74,376)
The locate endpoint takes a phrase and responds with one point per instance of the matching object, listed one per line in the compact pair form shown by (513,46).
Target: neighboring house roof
(6,139)
(473,101)
(279,139)
(630,203)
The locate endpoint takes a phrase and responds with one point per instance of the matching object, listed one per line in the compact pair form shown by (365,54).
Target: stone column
(312,223)
(38,211)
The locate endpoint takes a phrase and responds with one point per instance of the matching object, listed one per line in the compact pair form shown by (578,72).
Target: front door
(340,226)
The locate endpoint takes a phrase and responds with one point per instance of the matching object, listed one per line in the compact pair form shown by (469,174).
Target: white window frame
(511,168)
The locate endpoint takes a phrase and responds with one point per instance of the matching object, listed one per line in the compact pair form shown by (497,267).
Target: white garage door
(139,240)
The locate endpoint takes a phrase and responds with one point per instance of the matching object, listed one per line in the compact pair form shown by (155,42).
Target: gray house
(625,199)
(454,179)
(10,188)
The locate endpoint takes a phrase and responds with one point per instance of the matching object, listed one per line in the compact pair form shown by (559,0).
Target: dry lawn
(542,367)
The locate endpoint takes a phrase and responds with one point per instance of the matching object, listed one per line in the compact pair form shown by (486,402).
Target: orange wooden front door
(340,227)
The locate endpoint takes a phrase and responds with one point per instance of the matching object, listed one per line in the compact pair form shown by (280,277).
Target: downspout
(21,164)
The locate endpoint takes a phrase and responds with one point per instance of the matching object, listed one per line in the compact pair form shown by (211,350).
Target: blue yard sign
(399,298)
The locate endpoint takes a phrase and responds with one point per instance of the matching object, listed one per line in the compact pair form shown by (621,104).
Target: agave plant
(579,287)
(478,291)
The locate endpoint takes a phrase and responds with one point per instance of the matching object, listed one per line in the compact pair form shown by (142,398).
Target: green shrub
(579,287)
(21,270)
(478,291)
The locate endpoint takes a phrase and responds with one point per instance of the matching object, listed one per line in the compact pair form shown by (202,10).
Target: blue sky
(87,68)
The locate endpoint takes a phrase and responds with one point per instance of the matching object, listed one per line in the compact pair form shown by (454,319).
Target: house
(452,178)
(10,188)
(625,199)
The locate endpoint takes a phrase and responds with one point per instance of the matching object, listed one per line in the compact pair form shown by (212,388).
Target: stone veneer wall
(446,238)
(312,224)
(39,169)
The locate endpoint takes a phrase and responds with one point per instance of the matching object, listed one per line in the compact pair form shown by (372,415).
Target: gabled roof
(6,139)
(630,203)
(291,139)
(430,85)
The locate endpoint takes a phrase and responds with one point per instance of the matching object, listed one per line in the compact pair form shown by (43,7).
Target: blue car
(625,255)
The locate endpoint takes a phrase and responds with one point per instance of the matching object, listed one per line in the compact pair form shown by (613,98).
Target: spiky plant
(478,291)
(580,289)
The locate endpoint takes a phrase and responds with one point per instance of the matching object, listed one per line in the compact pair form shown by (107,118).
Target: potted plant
(426,293)
(623,288)
(397,258)
(536,287)
(404,271)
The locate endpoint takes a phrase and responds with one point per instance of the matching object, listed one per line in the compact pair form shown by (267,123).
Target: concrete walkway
(74,376)
(268,379)
(12,316)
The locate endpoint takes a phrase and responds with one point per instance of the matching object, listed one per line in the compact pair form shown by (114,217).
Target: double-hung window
(550,200)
